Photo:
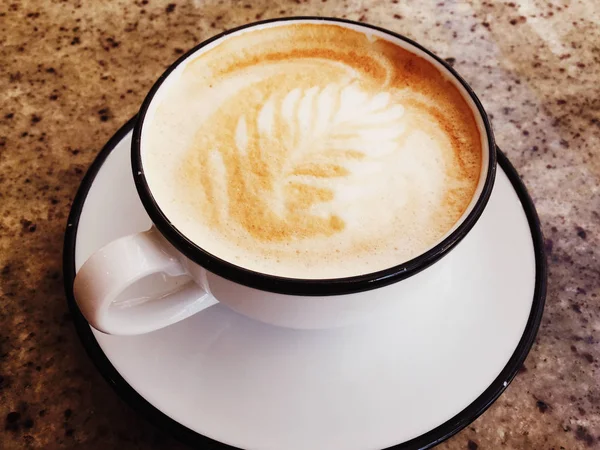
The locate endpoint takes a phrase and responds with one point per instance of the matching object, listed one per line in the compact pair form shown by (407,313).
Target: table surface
(72,73)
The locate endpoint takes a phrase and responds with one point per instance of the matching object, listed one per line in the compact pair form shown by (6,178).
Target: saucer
(409,378)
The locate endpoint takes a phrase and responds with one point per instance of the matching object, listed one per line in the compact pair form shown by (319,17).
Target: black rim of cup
(296,286)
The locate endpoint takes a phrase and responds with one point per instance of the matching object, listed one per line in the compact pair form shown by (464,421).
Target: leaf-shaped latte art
(288,153)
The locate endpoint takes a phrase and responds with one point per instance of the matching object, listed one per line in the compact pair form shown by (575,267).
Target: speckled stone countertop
(72,72)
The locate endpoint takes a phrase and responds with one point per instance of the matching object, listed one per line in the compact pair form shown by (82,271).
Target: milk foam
(311,151)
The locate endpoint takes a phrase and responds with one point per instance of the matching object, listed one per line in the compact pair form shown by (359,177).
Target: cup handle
(100,285)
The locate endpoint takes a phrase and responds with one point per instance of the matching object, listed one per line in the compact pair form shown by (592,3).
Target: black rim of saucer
(296,286)
(186,435)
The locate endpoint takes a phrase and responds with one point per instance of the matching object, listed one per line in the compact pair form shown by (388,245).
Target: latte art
(311,151)
(288,156)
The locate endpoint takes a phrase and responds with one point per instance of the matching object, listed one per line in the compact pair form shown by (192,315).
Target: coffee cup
(299,171)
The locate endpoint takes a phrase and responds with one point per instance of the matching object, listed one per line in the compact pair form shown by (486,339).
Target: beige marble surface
(72,72)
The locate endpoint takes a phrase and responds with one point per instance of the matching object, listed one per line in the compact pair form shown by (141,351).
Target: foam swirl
(282,161)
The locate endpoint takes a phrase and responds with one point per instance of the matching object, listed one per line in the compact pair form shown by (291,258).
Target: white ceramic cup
(149,280)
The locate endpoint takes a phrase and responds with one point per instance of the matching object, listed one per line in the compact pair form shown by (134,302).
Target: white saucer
(409,379)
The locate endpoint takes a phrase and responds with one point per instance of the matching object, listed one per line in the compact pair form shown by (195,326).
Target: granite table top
(72,72)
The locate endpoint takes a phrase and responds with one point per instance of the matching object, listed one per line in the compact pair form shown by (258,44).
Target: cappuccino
(311,150)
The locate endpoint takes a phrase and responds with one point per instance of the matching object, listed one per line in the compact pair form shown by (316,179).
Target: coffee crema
(311,150)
